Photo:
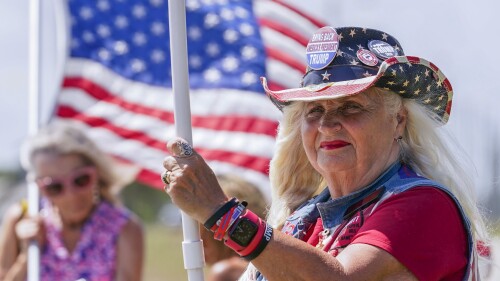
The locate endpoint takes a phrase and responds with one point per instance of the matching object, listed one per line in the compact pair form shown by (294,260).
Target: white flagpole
(192,247)
(33,124)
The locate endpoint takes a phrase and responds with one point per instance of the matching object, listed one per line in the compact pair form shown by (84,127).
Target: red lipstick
(333,144)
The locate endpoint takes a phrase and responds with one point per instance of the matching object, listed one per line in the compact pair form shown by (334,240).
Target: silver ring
(186,149)
(165,177)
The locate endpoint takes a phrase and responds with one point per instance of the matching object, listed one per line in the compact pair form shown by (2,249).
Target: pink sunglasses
(79,179)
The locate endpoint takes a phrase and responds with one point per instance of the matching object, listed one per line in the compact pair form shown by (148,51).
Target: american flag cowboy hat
(347,60)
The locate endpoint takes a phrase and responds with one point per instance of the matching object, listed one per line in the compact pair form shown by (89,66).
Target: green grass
(163,254)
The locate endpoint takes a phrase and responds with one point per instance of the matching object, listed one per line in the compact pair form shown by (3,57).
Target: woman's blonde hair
(425,147)
(62,139)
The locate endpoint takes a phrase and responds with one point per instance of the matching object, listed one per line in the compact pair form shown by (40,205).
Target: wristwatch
(243,231)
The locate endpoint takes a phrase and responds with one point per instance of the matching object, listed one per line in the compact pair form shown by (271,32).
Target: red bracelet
(224,224)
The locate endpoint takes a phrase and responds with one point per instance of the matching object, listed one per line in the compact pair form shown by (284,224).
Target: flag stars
(103,30)
(212,75)
(427,101)
(393,72)
(156,3)
(139,11)
(437,108)
(230,64)
(428,89)
(246,29)
(391,83)
(354,62)
(86,13)
(401,68)
(405,83)
(416,92)
(360,46)
(409,64)
(102,5)
(417,78)
(248,78)
(367,74)
(384,36)
(121,22)
(137,65)
(440,98)
(104,54)
(352,33)
(212,49)
(139,39)
(157,56)
(120,47)
(326,75)
(195,61)
(364,30)
(211,20)
(427,73)
(402,92)
(227,14)
(340,53)
(241,13)
(230,36)
(157,28)
(194,33)
(340,37)
(88,37)
(192,5)
(396,47)
(248,52)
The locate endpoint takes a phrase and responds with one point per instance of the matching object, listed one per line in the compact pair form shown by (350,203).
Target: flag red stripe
(287,59)
(284,30)
(299,12)
(246,124)
(259,164)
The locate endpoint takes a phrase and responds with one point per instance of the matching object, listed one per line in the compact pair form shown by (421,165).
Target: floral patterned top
(94,257)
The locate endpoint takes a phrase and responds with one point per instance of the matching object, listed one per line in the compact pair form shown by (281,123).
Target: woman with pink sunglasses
(83,233)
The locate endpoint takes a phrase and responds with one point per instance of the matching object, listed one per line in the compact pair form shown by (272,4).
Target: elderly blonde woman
(364,184)
(83,233)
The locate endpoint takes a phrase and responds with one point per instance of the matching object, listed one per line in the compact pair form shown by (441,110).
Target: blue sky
(458,36)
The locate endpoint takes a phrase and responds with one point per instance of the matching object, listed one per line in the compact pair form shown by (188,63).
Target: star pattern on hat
(326,75)
(413,80)
(410,77)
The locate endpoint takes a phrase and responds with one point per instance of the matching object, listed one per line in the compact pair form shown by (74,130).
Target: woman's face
(351,137)
(69,183)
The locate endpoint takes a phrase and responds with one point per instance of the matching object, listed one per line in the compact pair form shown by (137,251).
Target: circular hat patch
(322,48)
(367,57)
(382,49)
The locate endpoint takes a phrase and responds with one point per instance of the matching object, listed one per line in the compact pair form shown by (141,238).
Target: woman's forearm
(287,258)
(18,270)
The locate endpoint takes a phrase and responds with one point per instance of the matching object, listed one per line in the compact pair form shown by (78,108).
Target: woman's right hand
(28,229)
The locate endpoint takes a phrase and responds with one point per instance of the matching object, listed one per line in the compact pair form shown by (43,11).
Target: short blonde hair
(62,139)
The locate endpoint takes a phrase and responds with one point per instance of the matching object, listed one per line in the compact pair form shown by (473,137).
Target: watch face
(243,232)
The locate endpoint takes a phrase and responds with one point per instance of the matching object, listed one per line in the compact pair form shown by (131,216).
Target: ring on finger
(165,177)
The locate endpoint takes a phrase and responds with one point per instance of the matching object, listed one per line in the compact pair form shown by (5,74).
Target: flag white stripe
(221,140)
(203,102)
(277,12)
(152,158)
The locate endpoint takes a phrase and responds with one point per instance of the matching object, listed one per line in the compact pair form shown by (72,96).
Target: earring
(398,139)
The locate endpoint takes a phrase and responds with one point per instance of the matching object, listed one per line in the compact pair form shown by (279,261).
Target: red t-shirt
(422,228)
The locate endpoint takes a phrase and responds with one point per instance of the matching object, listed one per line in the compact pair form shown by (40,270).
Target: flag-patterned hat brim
(396,74)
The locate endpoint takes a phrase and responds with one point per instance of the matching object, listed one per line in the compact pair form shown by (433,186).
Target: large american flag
(117,79)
